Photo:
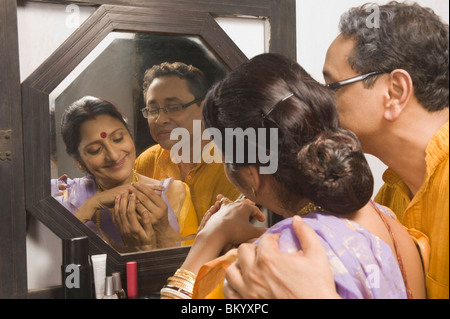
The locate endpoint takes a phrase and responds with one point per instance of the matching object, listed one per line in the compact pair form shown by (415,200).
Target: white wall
(317,22)
(42,28)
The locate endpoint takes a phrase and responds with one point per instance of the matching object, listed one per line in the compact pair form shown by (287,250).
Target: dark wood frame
(31,184)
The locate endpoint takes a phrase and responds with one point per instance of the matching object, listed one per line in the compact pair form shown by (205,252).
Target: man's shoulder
(148,159)
(152,152)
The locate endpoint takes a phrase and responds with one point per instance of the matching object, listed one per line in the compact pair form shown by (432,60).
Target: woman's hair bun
(335,172)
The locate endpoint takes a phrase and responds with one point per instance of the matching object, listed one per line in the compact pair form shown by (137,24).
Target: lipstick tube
(132,283)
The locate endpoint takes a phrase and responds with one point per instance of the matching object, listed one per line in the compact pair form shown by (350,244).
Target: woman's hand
(134,224)
(228,224)
(141,215)
(99,201)
(211,211)
(150,200)
(231,221)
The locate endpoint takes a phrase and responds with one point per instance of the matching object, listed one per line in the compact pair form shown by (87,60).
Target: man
(174,93)
(391,87)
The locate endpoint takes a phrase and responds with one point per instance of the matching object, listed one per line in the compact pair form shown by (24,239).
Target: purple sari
(363,265)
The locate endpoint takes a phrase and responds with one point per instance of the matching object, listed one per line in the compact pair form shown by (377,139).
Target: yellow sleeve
(187,217)
(209,282)
(145,163)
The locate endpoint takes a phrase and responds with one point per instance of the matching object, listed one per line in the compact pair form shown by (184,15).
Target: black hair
(408,37)
(317,159)
(80,111)
(195,78)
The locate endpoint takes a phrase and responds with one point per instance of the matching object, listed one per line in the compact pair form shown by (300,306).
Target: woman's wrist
(168,238)
(86,210)
(203,250)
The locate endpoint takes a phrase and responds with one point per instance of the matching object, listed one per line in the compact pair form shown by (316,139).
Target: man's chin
(167,144)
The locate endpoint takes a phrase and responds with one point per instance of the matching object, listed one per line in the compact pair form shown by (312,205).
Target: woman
(322,175)
(130,211)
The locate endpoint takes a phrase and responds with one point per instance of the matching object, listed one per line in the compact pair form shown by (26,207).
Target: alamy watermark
(256,152)
(72,276)
(73,19)
(373,19)
(373,276)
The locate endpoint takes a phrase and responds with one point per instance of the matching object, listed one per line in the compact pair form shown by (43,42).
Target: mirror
(28,192)
(114,70)
(66,69)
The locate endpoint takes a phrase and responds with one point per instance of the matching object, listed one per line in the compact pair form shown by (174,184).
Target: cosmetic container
(99,267)
(76,269)
(117,284)
(132,284)
(109,289)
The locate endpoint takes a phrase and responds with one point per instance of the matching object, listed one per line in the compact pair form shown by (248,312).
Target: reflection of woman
(130,211)
(322,175)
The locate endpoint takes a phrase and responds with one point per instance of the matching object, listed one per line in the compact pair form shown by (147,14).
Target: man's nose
(163,117)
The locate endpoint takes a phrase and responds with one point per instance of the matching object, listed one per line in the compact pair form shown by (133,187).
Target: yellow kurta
(428,210)
(185,214)
(205,181)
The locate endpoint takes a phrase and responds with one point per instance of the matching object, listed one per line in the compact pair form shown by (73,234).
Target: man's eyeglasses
(169,109)
(362,77)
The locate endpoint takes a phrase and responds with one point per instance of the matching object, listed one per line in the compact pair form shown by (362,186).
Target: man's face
(360,109)
(166,91)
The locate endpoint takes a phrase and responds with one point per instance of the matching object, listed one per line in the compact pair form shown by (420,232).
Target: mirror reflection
(98,130)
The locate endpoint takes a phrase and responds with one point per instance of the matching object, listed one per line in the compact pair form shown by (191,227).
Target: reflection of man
(400,115)
(174,93)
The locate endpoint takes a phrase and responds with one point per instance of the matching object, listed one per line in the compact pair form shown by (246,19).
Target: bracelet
(185,274)
(180,285)
(179,289)
(173,294)
(175,282)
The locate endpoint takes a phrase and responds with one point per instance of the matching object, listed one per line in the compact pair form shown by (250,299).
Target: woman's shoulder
(148,180)
(178,186)
(173,186)
(407,251)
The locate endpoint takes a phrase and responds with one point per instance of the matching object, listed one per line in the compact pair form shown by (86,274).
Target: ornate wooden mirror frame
(25,171)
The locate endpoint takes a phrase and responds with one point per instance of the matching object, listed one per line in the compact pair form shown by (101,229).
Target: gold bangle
(177,282)
(179,279)
(180,289)
(181,285)
(184,273)
(173,294)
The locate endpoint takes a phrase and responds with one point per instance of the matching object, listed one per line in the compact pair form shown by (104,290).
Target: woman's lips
(118,164)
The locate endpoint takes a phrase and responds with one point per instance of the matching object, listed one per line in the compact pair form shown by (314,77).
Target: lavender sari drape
(363,265)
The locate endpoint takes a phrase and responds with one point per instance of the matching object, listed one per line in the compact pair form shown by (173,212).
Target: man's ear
(399,93)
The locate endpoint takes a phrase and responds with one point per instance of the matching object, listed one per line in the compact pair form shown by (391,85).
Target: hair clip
(273,107)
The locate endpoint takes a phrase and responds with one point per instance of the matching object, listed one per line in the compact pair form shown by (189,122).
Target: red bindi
(103,134)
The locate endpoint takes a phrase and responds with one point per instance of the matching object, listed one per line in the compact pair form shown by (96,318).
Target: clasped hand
(140,214)
(229,222)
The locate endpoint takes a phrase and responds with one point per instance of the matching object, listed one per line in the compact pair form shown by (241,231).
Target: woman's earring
(81,168)
(254,192)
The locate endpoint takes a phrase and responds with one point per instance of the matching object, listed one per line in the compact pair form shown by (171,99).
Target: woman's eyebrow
(99,140)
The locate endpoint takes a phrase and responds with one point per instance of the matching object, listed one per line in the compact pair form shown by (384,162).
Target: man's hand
(262,271)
